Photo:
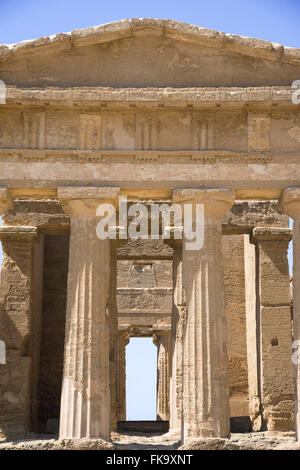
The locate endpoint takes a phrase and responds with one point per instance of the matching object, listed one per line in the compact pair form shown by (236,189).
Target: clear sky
(275,20)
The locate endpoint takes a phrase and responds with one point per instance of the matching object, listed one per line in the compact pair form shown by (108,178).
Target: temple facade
(167,113)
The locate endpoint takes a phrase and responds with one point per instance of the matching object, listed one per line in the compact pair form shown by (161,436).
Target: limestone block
(16,285)
(276,354)
(45,214)
(274,273)
(244,215)
(144,248)
(15,377)
(11,129)
(56,255)
(144,300)
(259,131)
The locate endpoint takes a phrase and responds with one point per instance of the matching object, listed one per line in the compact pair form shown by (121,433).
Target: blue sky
(275,20)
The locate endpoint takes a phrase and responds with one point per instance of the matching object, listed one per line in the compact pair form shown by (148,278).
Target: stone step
(155,427)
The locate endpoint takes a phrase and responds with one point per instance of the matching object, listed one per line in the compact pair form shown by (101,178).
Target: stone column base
(83,444)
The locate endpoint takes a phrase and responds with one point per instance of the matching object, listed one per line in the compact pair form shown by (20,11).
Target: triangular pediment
(148,53)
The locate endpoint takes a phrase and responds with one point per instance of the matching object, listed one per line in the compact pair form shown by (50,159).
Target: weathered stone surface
(290,203)
(200,97)
(5,200)
(162,341)
(56,255)
(176,346)
(257,441)
(15,394)
(274,269)
(20,320)
(122,341)
(205,401)
(83,444)
(272,404)
(16,286)
(244,215)
(234,296)
(47,215)
(139,249)
(140,108)
(85,403)
(184,53)
(145,300)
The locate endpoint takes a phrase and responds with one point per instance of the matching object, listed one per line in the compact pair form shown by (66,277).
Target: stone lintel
(18,233)
(68,193)
(271,234)
(146,332)
(162,330)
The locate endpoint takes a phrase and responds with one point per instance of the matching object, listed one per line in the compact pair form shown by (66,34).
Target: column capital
(289,202)
(22,233)
(124,334)
(271,234)
(6,201)
(79,201)
(217,201)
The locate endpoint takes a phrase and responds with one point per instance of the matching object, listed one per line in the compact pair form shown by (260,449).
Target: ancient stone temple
(160,112)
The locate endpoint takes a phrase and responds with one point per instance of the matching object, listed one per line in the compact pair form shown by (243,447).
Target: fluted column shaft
(85,403)
(162,341)
(290,204)
(296,315)
(123,340)
(177,322)
(205,387)
(113,318)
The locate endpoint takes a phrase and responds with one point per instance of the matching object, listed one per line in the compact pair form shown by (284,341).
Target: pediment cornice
(155,27)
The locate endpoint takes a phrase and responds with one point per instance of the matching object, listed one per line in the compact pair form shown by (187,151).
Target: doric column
(205,387)
(85,402)
(113,348)
(20,320)
(275,380)
(176,341)
(162,341)
(290,204)
(123,340)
